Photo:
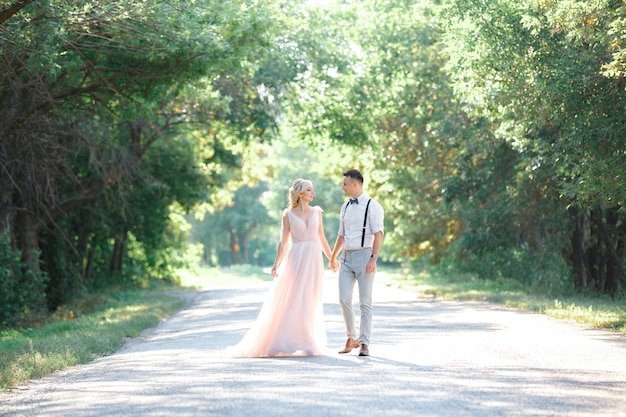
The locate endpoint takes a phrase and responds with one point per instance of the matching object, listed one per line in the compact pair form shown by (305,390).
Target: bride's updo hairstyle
(296,189)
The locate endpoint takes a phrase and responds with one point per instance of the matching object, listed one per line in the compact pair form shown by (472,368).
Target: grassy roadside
(591,311)
(69,340)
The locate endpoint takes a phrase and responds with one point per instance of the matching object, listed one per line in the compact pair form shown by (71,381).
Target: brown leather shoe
(365,351)
(350,344)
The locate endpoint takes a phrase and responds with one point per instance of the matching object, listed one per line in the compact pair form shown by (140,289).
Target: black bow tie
(354,201)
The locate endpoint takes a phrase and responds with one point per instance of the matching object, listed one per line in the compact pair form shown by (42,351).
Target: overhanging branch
(6,14)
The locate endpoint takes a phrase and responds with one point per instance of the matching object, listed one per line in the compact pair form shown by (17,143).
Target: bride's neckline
(305,216)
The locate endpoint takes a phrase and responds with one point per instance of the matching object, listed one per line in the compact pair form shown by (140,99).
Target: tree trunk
(578,251)
(117,259)
(10,11)
(614,270)
(90,261)
(27,234)
(595,261)
(83,231)
(6,204)
(245,247)
(234,247)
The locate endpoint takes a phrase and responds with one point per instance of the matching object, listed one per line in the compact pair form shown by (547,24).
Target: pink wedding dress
(291,320)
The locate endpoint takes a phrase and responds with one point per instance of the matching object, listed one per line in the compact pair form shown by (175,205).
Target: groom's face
(349,186)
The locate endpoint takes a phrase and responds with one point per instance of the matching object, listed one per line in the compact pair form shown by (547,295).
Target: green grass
(593,311)
(69,339)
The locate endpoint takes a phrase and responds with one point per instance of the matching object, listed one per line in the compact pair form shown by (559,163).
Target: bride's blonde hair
(296,189)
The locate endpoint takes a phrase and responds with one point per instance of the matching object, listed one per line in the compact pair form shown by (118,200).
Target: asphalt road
(428,358)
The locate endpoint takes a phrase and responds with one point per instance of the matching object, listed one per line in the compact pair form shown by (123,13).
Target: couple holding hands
(291,321)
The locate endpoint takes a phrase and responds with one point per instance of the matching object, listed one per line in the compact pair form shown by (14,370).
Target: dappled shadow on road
(422,319)
(429,358)
(171,384)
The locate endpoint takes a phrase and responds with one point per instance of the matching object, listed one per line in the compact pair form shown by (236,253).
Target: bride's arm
(285,237)
(322,236)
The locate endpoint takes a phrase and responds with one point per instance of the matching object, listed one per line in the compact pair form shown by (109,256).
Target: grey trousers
(352,270)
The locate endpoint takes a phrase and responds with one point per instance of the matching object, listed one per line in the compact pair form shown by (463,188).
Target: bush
(540,272)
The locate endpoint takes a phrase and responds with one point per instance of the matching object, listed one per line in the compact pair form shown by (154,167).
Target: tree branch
(91,192)
(6,14)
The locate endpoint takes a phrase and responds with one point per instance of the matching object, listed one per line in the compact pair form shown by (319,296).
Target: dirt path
(429,358)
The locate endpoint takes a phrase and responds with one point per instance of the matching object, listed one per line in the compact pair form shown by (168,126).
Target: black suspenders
(364,219)
(365,222)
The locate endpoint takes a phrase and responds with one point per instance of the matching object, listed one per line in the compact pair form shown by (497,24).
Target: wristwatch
(374,257)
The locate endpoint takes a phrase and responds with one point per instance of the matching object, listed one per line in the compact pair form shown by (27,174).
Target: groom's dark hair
(354,174)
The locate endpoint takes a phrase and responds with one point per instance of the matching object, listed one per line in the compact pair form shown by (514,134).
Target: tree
(88,88)
(535,70)
(489,124)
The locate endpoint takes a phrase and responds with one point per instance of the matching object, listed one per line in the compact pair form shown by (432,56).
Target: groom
(360,237)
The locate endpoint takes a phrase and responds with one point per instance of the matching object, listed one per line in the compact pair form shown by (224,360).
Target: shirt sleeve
(377,217)
(342,226)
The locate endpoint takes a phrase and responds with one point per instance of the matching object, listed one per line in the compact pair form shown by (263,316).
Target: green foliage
(9,288)
(492,132)
(568,116)
(18,302)
(487,122)
(238,233)
(534,71)
(142,212)
(115,113)
(327,100)
(248,229)
(541,272)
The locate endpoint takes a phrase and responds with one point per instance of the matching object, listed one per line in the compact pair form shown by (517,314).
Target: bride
(291,322)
